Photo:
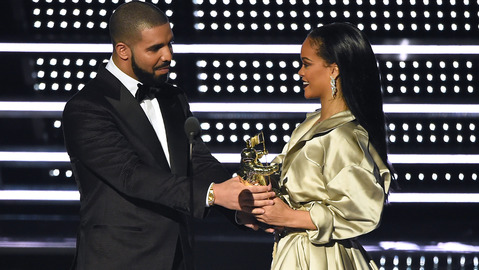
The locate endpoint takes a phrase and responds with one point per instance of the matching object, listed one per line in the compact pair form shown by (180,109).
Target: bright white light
(203,88)
(54,195)
(449,247)
(39,195)
(206,138)
(201,63)
(394,158)
(34,156)
(202,76)
(433,159)
(432,108)
(20,106)
(199,26)
(433,198)
(235,48)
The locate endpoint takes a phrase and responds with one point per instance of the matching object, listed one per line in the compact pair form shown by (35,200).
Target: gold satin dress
(331,170)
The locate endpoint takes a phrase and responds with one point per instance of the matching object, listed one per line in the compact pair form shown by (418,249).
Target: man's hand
(246,219)
(235,195)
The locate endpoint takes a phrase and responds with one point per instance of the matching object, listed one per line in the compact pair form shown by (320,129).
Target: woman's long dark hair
(348,47)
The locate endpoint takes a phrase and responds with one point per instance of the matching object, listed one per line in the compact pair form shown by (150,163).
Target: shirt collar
(130,83)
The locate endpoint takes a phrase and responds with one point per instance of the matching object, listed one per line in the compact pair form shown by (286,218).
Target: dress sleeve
(353,208)
(354,190)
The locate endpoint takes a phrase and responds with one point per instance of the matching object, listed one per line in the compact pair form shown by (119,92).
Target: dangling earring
(334,90)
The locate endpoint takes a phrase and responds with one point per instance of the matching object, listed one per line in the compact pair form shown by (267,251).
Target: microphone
(192,128)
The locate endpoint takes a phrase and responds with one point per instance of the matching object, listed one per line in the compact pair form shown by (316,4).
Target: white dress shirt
(151,107)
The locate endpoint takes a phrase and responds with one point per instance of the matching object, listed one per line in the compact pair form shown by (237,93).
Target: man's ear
(123,51)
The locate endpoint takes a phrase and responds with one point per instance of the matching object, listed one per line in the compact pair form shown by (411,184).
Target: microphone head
(192,126)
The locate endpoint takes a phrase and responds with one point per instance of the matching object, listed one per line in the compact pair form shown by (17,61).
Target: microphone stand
(192,128)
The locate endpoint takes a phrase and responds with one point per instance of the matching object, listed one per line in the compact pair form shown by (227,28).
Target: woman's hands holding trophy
(254,173)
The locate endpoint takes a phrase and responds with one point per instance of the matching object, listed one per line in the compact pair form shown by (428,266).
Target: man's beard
(146,77)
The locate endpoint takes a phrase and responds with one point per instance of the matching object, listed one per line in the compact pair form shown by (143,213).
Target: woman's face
(315,73)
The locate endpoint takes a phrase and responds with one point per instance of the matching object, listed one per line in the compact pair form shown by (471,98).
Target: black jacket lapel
(133,115)
(174,119)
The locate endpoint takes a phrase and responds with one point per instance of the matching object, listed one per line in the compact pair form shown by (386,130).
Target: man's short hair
(129,19)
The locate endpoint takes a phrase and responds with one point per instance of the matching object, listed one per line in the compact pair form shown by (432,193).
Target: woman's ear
(334,71)
(123,51)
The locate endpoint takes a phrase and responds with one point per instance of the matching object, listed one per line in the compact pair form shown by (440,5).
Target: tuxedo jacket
(133,206)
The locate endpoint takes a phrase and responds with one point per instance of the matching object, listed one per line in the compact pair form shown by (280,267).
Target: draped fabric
(331,170)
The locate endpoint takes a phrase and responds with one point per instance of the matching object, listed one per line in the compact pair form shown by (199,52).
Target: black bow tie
(146,92)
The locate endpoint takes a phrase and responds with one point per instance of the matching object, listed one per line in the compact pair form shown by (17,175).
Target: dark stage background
(428,54)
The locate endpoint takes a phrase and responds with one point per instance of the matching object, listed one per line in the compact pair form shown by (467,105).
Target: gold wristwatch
(211,196)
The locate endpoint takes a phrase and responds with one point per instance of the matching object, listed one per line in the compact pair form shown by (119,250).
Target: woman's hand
(276,214)
(281,215)
(250,221)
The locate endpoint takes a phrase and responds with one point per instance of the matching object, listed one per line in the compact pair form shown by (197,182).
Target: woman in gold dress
(335,175)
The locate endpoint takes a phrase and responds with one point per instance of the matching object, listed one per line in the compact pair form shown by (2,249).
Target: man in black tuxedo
(130,156)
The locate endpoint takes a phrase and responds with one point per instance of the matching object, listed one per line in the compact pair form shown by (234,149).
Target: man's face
(152,55)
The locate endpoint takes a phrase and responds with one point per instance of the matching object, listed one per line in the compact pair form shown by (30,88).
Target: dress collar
(332,122)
